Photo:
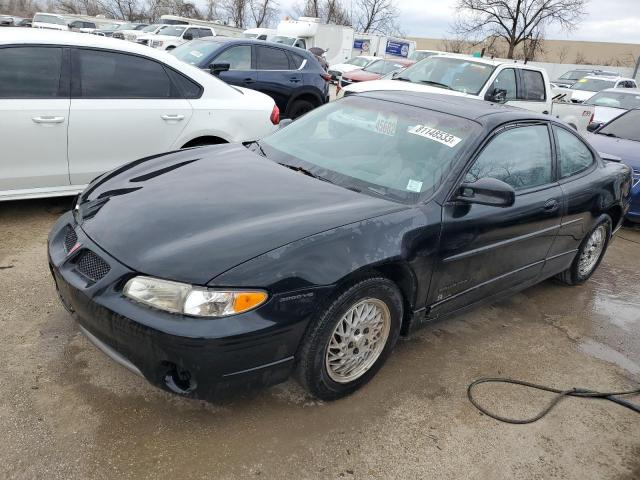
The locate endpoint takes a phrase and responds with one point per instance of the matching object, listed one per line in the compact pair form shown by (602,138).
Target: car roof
(253,41)
(35,36)
(624,91)
(488,61)
(606,77)
(479,110)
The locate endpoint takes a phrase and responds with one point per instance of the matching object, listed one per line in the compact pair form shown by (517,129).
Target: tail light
(275,115)
(326,77)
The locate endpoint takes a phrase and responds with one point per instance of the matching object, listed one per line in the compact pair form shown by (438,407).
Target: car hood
(626,151)
(154,36)
(582,95)
(344,67)
(191,215)
(399,85)
(361,76)
(604,114)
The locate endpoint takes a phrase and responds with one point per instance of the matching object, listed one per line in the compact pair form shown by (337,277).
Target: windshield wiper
(304,171)
(609,134)
(257,144)
(436,84)
(402,79)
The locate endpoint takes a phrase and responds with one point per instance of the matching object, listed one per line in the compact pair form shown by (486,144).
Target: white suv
(104,102)
(173,36)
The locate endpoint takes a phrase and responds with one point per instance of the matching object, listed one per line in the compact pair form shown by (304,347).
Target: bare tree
(453,45)
(310,8)
(562,54)
(376,16)
(263,12)
(335,12)
(515,21)
(329,11)
(235,11)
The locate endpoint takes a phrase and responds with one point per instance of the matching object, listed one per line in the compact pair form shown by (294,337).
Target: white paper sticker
(414,185)
(435,135)
(386,124)
(195,53)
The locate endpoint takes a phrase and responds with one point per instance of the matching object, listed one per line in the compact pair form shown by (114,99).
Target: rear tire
(299,108)
(350,341)
(590,253)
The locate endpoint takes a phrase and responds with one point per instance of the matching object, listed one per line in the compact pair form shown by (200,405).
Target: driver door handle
(175,118)
(249,80)
(48,119)
(551,205)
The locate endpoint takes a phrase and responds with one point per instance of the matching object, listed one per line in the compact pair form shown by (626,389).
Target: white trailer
(220,28)
(382,46)
(307,32)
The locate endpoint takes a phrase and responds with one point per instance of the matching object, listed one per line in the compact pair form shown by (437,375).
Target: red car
(374,70)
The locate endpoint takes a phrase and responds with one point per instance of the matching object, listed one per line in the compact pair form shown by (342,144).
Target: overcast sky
(606,20)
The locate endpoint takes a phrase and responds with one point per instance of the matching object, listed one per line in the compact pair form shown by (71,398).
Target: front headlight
(192,300)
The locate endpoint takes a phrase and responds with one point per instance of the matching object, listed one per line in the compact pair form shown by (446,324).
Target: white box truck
(307,32)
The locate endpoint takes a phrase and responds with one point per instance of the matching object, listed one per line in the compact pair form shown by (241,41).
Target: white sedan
(73,106)
(350,65)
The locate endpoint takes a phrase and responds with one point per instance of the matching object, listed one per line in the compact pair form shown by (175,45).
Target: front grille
(118,35)
(156,43)
(92,266)
(70,238)
(143,41)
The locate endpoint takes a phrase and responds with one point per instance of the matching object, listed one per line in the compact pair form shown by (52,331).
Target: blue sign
(399,49)
(360,44)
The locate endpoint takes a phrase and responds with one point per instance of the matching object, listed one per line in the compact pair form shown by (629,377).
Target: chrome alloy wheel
(592,251)
(358,340)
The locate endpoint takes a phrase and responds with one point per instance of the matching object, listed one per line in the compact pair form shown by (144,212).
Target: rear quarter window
(574,156)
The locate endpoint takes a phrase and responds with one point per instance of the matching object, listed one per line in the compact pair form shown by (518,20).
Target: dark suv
(291,76)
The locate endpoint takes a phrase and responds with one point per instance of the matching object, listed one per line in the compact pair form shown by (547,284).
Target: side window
(573,154)
(116,75)
(272,59)
(532,85)
(506,80)
(300,44)
(238,58)
(89,25)
(30,72)
(205,32)
(191,31)
(520,156)
(296,60)
(76,24)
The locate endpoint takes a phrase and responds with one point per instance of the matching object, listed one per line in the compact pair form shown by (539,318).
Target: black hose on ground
(573,392)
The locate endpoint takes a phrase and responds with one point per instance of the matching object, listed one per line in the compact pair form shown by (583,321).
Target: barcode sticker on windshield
(414,185)
(436,135)
(386,124)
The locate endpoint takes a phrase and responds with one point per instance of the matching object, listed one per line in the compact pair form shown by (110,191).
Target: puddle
(608,354)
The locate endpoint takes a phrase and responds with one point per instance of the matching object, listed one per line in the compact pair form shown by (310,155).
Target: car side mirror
(497,95)
(487,191)
(218,68)
(187,36)
(284,122)
(593,126)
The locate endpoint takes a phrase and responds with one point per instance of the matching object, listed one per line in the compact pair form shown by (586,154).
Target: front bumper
(194,357)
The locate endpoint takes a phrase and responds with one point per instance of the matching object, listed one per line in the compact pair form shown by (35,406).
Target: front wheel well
(206,140)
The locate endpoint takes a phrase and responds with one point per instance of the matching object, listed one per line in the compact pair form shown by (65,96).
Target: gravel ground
(67,411)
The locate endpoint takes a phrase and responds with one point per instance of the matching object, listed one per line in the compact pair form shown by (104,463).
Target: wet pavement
(67,411)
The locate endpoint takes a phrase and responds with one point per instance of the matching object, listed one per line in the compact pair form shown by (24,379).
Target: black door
(484,249)
(576,162)
(241,71)
(275,76)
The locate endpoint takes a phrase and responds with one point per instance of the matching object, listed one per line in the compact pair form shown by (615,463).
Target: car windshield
(573,75)
(197,51)
(126,26)
(625,100)
(593,84)
(358,61)
(457,74)
(285,40)
(625,126)
(150,28)
(172,31)
(48,19)
(417,56)
(375,147)
(382,67)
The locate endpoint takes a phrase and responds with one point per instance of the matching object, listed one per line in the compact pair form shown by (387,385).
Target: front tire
(590,253)
(351,339)
(299,108)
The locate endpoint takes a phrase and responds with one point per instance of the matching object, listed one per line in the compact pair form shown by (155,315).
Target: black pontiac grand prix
(311,251)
